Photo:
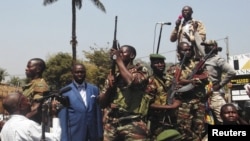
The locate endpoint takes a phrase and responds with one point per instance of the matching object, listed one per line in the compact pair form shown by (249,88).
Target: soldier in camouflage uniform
(191,112)
(124,99)
(36,87)
(161,114)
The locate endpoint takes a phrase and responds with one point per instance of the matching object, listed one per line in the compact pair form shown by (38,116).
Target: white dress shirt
(82,91)
(20,128)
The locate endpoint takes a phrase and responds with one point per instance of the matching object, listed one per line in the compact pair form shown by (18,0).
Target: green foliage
(97,63)
(91,71)
(78,3)
(3,74)
(16,81)
(101,59)
(58,71)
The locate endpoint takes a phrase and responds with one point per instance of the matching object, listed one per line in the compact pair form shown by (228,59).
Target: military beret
(156,56)
(209,43)
(169,135)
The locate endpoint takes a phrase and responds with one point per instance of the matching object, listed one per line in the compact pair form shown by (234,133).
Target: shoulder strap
(163,85)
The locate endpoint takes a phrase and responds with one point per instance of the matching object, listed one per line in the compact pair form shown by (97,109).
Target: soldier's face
(158,65)
(186,49)
(125,54)
(31,69)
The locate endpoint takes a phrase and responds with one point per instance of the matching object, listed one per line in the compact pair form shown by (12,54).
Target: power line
(159,53)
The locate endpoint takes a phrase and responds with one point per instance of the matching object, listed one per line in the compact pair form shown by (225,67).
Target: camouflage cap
(156,56)
(169,134)
(209,43)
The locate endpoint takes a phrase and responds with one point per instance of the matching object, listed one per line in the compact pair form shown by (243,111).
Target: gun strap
(163,85)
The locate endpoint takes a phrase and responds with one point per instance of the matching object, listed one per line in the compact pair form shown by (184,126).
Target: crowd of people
(133,105)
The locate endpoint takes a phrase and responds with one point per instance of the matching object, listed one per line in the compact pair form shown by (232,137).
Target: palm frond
(99,5)
(46,2)
(78,4)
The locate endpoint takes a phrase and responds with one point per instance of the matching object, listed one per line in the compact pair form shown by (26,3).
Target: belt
(216,93)
(128,119)
(117,113)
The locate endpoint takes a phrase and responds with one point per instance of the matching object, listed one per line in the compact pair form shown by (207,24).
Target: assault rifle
(175,79)
(196,69)
(113,59)
(116,47)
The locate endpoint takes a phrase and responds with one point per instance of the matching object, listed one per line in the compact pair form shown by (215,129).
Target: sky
(28,29)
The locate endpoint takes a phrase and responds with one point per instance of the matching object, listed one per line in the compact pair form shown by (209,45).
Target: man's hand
(216,87)
(177,23)
(111,80)
(2,122)
(196,81)
(247,88)
(55,107)
(34,110)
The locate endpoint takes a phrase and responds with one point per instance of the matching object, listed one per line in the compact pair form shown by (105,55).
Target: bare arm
(106,92)
(176,104)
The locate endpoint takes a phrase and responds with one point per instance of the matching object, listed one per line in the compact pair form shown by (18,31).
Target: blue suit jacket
(78,122)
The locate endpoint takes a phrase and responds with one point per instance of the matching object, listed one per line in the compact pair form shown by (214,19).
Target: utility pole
(227,47)
(227,54)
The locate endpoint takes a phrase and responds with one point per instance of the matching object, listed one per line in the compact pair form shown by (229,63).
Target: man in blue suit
(82,119)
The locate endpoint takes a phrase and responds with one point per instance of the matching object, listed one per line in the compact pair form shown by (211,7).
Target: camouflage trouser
(191,120)
(129,128)
(160,121)
(216,101)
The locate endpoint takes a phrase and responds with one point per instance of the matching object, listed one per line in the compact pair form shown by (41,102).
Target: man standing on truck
(216,66)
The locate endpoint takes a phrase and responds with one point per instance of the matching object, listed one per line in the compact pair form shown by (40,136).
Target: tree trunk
(73,41)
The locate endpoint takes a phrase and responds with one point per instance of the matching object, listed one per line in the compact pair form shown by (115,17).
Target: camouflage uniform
(159,118)
(191,113)
(35,90)
(124,119)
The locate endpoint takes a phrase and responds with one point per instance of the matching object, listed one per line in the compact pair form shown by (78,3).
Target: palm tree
(78,4)
(3,74)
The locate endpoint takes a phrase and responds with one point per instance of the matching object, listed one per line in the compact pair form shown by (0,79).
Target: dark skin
(230,116)
(186,13)
(79,73)
(34,70)
(158,67)
(183,49)
(17,104)
(124,57)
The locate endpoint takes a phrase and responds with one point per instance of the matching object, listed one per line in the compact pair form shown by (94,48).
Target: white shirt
(20,128)
(82,91)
